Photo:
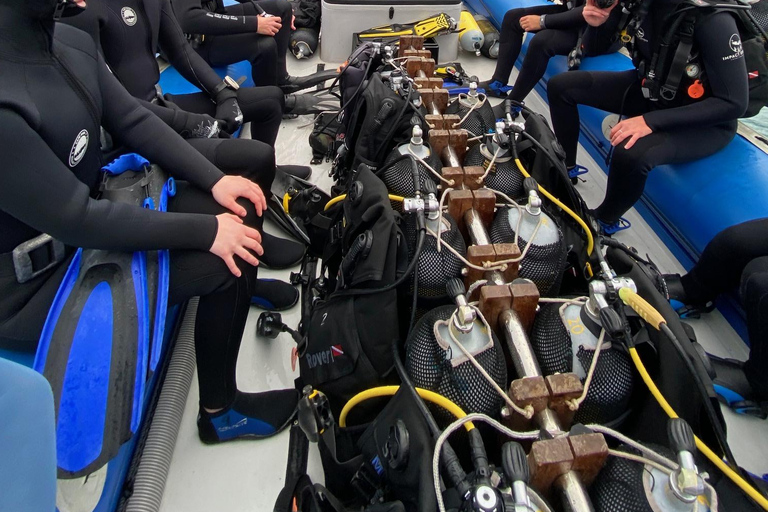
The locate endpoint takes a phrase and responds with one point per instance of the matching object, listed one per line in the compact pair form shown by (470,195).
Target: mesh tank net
(479,122)
(619,485)
(430,367)
(611,388)
(399,177)
(435,268)
(543,264)
(504,177)
(760,12)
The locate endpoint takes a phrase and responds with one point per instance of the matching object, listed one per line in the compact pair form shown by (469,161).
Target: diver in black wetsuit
(652,132)
(128,32)
(736,256)
(556,28)
(56,91)
(240,33)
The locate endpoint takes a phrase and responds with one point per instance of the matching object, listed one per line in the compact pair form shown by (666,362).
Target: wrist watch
(541,20)
(227,83)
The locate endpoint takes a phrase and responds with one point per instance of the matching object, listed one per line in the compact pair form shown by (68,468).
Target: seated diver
(557,29)
(56,92)
(128,41)
(700,120)
(256,31)
(737,255)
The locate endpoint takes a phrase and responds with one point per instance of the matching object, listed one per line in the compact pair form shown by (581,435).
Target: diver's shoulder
(76,39)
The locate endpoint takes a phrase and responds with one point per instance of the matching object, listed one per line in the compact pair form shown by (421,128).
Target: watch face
(231,82)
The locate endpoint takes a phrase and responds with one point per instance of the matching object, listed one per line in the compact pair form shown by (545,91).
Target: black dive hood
(26,26)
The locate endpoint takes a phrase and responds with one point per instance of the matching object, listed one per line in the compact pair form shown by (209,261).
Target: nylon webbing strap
(680,60)
(296,470)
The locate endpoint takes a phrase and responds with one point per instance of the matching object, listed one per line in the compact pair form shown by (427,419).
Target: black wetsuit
(683,130)
(130,32)
(739,255)
(55,91)
(558,38)
(228,34)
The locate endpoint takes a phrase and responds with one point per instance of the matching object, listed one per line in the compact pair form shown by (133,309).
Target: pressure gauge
(692,70)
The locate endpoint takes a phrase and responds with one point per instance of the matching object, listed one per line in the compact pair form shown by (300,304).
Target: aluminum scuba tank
(470,36)
(397,172)
(474,109)
(545,260)
(434,360)
(303,42)
(504,176)
(490,46)
(564,339)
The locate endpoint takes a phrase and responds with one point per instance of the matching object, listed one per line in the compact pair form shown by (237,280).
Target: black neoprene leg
(259,50)
(544,45)
(511,38)
(724,259)
(754,287)
(279,8)
(261,106)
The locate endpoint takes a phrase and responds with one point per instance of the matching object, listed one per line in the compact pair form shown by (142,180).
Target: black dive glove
(228,110)
(200,126)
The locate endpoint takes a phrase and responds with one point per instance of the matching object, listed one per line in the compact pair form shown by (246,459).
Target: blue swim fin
(95,345)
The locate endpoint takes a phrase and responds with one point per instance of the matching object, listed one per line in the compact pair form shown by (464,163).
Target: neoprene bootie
(274,295)
(299,171)
(495,88)
(280,253)
(251,416)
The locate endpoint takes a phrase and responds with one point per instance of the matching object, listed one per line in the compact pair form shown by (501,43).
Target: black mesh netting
(504,176)
(619,486)
(611,388)
(430,367)
(399,177)
(760,12)
(479,122)
(435,268)
(543,264)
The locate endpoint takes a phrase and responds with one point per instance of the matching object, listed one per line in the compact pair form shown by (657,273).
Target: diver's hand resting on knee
(530,23)
(229,189)
(269,25)
(233,238)
(595,16)
(635,128)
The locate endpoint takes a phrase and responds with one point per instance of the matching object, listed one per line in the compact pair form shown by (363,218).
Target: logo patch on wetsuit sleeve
(735,44)
(129,16)
(78,148)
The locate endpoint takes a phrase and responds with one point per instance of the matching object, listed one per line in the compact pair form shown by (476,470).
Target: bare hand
(594,16)
(230,188)
(635,128)
(293,22)
(530,23)
(233,238)
(269,25)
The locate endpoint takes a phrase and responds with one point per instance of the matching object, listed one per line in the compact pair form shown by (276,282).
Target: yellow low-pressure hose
(429,396)
(654,318)
(286,202)
(590,238)
(344,196)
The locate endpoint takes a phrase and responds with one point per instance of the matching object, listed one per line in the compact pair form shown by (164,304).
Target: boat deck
(247,475)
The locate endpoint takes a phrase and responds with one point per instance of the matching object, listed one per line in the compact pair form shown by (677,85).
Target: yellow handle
(426,394)
(641,307)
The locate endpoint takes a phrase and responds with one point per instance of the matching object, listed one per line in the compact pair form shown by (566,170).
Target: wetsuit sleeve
(723,60)
(145,133)
(39,190)
(605,38)
(572,18)
(194,19)
(181,55)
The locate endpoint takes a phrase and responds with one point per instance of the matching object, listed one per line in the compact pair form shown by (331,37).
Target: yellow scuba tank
(490,46)
(470,36)
(430,27)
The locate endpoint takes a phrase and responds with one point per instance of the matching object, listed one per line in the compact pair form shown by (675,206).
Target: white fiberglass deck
(247,475)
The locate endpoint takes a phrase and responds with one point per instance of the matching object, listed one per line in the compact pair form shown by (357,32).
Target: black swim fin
(299,83)
(96,345)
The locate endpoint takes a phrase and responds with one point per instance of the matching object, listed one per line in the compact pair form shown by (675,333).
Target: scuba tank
(470,36)
(474,109)
(504,176)
(436,362)
(627,485)
(561,349)
(303,42)
(490,46)
(545,260)
(397,171)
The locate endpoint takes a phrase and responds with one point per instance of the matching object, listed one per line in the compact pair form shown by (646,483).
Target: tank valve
(517,473)
(685,482)
(466,315)
(534,201)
